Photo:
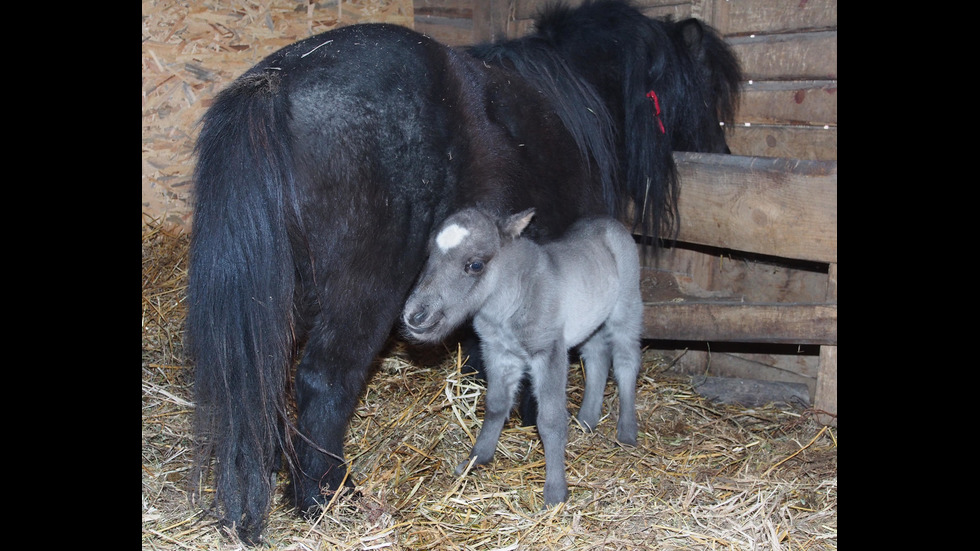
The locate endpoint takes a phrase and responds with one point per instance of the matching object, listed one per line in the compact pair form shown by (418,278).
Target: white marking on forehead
(451,236)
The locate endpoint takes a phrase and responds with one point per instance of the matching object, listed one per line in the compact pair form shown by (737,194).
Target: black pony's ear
(512,226)
(718,64)
(692,31)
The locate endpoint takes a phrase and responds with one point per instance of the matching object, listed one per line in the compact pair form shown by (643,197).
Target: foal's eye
(474,267)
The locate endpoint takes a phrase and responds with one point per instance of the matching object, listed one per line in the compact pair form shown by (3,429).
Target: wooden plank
(525,11)
(766,16)
(448,21)
(682,274)
(751,392)
(826,394)
(814,143)
(778,207)
(812,103)
(493,20)
(730,18)
(797,56)
(832,283)
(660,9)
(451,9)
(453,32)
(741,322)
(716,358)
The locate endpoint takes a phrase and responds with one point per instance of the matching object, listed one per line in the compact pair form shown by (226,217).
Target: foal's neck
(519,291)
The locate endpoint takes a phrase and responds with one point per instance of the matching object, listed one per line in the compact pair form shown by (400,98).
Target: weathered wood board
(779,207)
(812,143)
(738,322)
(448,21)
(191,50)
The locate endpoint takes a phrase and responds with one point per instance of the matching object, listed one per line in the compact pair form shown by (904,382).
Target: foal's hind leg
(626,367)
(595,356)
(504,373)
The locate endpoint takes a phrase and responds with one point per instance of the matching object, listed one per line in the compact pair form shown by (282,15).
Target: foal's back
(597,269)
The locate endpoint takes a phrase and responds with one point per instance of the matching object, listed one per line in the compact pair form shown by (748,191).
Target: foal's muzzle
(421,322)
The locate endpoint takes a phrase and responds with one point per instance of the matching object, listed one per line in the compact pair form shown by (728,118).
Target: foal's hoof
(461,468)
(555,496)
(626,433)
(628,440)
(586,426)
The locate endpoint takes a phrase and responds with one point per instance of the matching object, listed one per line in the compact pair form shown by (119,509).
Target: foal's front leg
(504,372)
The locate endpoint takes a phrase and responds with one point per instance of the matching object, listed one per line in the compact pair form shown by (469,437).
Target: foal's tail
(241,287)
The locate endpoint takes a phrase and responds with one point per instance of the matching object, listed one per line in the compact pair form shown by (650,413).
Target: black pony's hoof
(249,534)
(309,501)
(313,510)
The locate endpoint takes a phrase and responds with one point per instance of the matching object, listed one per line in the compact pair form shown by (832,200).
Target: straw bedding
(704,476)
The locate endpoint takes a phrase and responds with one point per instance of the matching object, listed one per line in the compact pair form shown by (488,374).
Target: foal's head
(462,271)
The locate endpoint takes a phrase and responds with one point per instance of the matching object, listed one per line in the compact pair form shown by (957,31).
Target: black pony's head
(664,86)
(636,62)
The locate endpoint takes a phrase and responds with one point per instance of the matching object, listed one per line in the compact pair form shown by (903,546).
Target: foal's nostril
(417,318)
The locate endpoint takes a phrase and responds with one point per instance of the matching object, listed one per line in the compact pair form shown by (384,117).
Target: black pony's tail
(241,286)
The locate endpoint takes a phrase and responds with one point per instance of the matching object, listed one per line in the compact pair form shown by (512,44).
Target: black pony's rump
(322,171)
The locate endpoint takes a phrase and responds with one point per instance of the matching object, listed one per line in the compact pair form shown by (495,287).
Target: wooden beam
(814,143)
(740,322)
(772,206)
(826,392)
(793,102)
(765,16)
(492,20)
(826,395)
(794,56)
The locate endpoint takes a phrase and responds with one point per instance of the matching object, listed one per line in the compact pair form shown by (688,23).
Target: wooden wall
(192,50)
(788,52)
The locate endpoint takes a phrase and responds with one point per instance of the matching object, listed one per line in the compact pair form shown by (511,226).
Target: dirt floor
(703,477)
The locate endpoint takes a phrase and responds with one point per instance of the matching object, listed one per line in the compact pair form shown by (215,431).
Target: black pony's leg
(329,382)
(348,331)
(527,404)
(470,343)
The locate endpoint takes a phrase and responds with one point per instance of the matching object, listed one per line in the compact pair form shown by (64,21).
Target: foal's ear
(513,225)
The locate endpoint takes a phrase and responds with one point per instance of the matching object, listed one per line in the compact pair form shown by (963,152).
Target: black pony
(323,169)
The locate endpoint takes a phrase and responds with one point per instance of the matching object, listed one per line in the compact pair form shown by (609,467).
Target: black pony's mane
(576,53)
(576,102)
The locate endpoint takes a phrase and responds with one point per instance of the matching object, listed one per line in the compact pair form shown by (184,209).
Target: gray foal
(530,303)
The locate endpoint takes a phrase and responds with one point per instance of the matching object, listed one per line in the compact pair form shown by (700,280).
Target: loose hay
(703,477)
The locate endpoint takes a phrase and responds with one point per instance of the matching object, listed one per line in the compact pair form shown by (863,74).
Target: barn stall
(749,290)
(742,309)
